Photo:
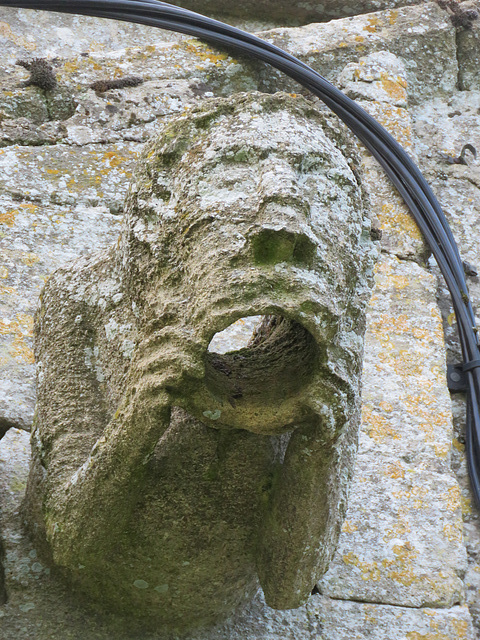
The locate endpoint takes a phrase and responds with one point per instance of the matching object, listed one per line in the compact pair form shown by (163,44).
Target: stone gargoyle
(167,480)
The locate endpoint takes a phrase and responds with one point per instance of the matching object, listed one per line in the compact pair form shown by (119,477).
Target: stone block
(422,36)
(411,553)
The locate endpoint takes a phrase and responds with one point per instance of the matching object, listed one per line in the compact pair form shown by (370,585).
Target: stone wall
(406,566)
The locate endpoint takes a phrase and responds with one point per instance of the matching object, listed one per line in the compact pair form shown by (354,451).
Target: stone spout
(167,478)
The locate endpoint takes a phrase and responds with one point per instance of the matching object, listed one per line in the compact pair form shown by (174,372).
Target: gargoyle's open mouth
(271,360)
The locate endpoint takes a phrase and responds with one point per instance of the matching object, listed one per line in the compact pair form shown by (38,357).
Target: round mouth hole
(260,359)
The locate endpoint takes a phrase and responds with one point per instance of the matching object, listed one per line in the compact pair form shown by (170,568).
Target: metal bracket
(456,378)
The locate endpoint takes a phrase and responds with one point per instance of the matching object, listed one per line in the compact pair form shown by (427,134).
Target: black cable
(400,168)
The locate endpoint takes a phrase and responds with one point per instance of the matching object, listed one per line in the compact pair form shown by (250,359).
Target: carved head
(248,207)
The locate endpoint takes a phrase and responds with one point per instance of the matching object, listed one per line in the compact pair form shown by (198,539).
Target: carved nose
(279,180)
(272,246)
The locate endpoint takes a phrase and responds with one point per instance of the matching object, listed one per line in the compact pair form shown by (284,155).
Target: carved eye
(272,246)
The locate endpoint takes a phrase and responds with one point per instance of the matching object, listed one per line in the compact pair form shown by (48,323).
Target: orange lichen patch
(373,24)
(114,159)
(22,325)
(416,496)
(6,290)
(393,88)
(349,527)
(6,32)
(376,426)
(385,406)
(408,364)
(203,52)
(8,217)
(400,529)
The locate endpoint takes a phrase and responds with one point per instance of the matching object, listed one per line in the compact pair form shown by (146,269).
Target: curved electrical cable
(400,168)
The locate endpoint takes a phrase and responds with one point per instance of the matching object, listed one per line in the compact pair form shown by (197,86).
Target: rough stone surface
(422,36)
(413,554)
(468,52)
(441,131)
(181,72)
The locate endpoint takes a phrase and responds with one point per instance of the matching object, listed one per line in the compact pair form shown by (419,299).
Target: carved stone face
(257,219)
(159,481)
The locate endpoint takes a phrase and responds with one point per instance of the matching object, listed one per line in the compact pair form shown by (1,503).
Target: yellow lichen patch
(441,451)
(416,496)
(393,88)
(370,570)
(71,66)
(19,350)
(114,159)
(461,627)
(359,38)
(369,611)
(8,217)
(3,272)
(453,501)
(350,558)
(459,446)
(453,532)
(414,635)
(6,32)
(394,216)
(373,24)
(394,471)
(392,16)
(376,426)
(204,53)
(349,527)
(466,505)
(30,259)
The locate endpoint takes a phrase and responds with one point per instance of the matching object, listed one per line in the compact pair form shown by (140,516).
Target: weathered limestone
(422,36)
(441,130)
(468,43)
(210,235)
(378,82)
(38,607)
(43,224)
